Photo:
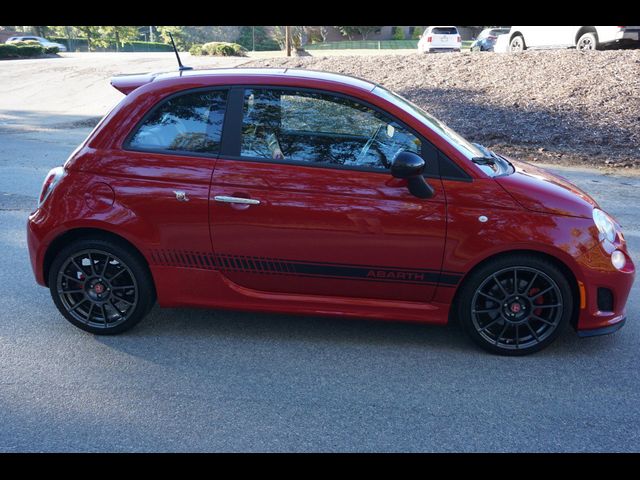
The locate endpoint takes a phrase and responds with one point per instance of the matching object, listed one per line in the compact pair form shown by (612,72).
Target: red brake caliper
(539,300)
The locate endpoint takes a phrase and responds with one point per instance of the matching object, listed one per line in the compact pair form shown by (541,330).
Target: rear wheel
(101,286)
(515,305)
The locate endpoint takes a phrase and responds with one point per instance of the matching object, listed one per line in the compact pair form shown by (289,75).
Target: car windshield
(460,143)
(487,161)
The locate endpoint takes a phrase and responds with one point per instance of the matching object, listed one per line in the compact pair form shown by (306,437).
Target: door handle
(244,201)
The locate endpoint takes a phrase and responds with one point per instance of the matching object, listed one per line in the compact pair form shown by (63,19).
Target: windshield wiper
(484,160)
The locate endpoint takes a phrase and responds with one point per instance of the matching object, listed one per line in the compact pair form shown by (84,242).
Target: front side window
(319,128)
(187,123)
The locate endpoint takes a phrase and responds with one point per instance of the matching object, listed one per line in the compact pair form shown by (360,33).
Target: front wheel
(515,305)
(101,286)
(517,44)
(588,41)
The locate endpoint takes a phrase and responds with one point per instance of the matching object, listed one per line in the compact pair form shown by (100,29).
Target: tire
(517,44)
(588,41)
(508,321)
(101,286)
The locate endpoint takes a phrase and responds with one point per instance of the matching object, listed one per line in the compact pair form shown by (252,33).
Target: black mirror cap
(407,165)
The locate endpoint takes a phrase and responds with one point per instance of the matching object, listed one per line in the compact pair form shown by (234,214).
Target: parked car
(440,39)
(42,41)
(487,39)
(582,38)
(309,192)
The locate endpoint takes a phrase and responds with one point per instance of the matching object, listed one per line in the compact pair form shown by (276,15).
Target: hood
(538,190)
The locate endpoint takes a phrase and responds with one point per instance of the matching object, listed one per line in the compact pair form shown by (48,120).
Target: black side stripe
(277,266)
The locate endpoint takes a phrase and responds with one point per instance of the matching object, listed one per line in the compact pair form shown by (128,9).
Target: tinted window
(445,31)
(185,123)
(320,128)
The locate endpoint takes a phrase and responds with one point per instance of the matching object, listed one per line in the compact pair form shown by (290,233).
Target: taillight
(622,28)
(50,181)
(459,39)
(429,39)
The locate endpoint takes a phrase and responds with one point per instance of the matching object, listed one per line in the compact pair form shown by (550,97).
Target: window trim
(236,133)
(184,153)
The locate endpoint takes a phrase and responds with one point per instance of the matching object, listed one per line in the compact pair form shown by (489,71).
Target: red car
(315,193)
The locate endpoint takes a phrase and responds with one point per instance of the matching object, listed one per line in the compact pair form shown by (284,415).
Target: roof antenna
(180,66)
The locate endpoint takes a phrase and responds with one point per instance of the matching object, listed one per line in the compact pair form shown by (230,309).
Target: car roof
(128,83)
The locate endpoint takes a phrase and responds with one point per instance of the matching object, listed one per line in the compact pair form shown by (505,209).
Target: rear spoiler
(128,83)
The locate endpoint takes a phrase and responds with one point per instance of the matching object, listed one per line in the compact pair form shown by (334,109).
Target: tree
(118,34)
(365,30)
(185,37)
(297,36)
(178,33)
(90,33)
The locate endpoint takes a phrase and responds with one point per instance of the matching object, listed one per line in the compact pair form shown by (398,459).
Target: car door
(167,162)
(302,200)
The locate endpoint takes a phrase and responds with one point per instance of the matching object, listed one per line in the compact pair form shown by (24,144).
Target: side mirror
(409,166)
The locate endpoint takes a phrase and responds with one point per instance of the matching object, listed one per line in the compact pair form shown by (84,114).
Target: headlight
(606,225)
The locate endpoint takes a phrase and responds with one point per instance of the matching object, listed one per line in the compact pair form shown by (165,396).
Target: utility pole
(151,34)
(287,36)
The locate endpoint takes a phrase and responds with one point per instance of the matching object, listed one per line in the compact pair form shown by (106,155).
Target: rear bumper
(442,49)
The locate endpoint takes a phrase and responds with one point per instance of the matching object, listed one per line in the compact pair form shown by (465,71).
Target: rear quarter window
(189,123)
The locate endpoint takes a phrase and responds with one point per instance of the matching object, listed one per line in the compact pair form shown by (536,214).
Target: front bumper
(595,332)
(598,272)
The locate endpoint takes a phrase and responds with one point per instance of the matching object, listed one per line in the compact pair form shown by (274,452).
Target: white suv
(440,39)
(582,38)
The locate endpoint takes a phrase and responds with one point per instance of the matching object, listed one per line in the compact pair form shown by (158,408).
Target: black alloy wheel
(100,286)
(516,308)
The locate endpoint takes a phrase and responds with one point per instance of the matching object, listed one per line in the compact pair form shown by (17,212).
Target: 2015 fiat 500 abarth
(316,193)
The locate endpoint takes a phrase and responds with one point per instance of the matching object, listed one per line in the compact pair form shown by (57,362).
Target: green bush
(397,33)
(8,50)
(196,49)
(29,49)
(417,33)
(221,49)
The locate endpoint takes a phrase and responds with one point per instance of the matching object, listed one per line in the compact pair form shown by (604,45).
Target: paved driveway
(191,380)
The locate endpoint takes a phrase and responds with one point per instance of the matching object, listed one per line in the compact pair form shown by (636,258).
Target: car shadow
(200,333)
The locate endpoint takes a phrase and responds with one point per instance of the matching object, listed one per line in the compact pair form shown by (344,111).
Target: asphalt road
(192,380)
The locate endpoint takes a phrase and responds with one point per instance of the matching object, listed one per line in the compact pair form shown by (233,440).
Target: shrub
(29,49)
(397,33)
(223,49)
(196,49)
(417,33)
(8,50)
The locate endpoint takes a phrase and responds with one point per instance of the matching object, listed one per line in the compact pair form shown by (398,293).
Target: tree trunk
(117,41)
